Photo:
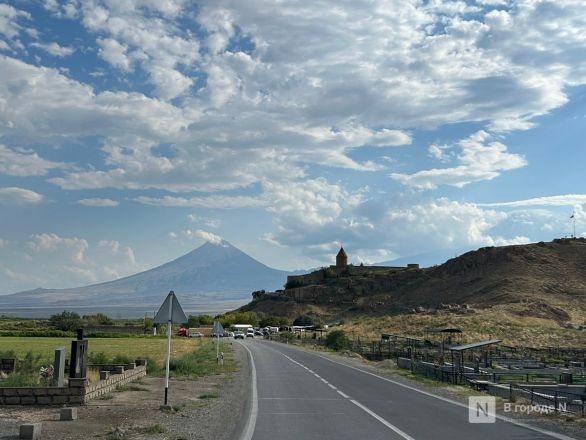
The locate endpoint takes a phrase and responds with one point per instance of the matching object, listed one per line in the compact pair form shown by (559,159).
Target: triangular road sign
(170,303)
(218,329)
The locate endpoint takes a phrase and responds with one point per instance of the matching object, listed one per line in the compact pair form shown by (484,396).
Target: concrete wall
(79,390)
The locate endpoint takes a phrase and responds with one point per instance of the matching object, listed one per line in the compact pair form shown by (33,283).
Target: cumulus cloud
(378,231)
(54,49)
(11,20)
(481,158)
(24,163)
(203,235)
(38,97)
(54,261)
(99,203)
(145,33)
(19,196)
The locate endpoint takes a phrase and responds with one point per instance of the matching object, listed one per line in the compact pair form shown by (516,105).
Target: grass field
(184,351)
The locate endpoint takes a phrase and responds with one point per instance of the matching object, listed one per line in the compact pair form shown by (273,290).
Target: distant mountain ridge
(215,271)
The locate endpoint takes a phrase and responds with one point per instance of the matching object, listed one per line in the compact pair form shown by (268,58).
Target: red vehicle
(183,332)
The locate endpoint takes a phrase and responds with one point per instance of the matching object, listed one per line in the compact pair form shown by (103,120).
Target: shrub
(337,340)
(67,321)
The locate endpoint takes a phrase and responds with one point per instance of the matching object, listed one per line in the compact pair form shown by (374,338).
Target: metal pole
(218,348)
(169,325)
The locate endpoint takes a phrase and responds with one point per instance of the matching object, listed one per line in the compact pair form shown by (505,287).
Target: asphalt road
(296,394)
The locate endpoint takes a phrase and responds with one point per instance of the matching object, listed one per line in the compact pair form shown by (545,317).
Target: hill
(542,280)
(214,272)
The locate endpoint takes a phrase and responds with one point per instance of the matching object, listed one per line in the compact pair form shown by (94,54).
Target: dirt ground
(208,408)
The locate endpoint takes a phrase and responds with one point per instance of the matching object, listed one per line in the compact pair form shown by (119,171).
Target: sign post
(218,330)
(169,312)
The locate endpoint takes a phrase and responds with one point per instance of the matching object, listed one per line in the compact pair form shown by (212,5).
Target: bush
(66,321)
(337,340)
(274,321)
(98,319)
(37,333)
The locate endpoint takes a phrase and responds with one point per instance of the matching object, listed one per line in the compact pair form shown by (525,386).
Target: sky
(131,132)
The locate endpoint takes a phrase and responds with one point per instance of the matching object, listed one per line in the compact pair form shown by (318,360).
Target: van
(250,333)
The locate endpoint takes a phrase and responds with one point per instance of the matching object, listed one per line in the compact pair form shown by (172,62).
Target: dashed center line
(388,424)
(344,395)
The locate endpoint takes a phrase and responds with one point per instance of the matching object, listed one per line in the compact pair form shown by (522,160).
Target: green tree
(273,321)
(98,319)
(337,340)
(307,320)
(197,320)
(67,321)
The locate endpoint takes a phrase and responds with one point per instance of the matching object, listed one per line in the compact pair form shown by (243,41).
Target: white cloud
(376,230)
(481,158)
(205,221)
(74,247)
(18,196)
(203,235)
(137,31)
(50,260)
(100,203)
(211,202)
(9,21)
(54,49)
(114,53)
(42,105)
(24,163)
(561,200)
(309,202)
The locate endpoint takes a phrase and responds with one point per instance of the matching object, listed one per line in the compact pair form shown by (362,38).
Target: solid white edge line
(251,422)
(453,402)
(383,421)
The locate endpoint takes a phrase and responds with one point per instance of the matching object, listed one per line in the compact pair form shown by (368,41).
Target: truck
(189,332)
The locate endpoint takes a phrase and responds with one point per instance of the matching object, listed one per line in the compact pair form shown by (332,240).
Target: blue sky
(133,131)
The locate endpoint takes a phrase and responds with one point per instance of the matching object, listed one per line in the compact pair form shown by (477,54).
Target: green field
(130,348)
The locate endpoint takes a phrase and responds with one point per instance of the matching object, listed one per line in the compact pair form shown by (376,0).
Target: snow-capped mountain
(214,271)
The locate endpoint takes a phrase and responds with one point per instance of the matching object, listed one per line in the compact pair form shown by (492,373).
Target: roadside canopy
(473,345)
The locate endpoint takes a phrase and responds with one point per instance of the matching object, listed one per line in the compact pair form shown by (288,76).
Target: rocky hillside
(542,280)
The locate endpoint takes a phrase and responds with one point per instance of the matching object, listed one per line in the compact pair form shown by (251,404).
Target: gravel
(211,407)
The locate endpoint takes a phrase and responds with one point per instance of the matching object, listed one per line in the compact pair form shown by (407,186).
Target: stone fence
(78,391)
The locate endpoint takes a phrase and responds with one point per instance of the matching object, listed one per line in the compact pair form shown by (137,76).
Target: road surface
(301,395)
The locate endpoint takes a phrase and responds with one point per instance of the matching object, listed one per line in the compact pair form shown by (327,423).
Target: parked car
(238,335)
(257,333)
(250,333)
(195,334)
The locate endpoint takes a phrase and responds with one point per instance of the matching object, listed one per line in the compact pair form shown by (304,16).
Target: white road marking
(251,422)
(444,399)
(359,405)
(453,402)
(383,421)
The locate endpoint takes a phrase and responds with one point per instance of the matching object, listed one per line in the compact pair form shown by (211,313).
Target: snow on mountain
(215,271)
